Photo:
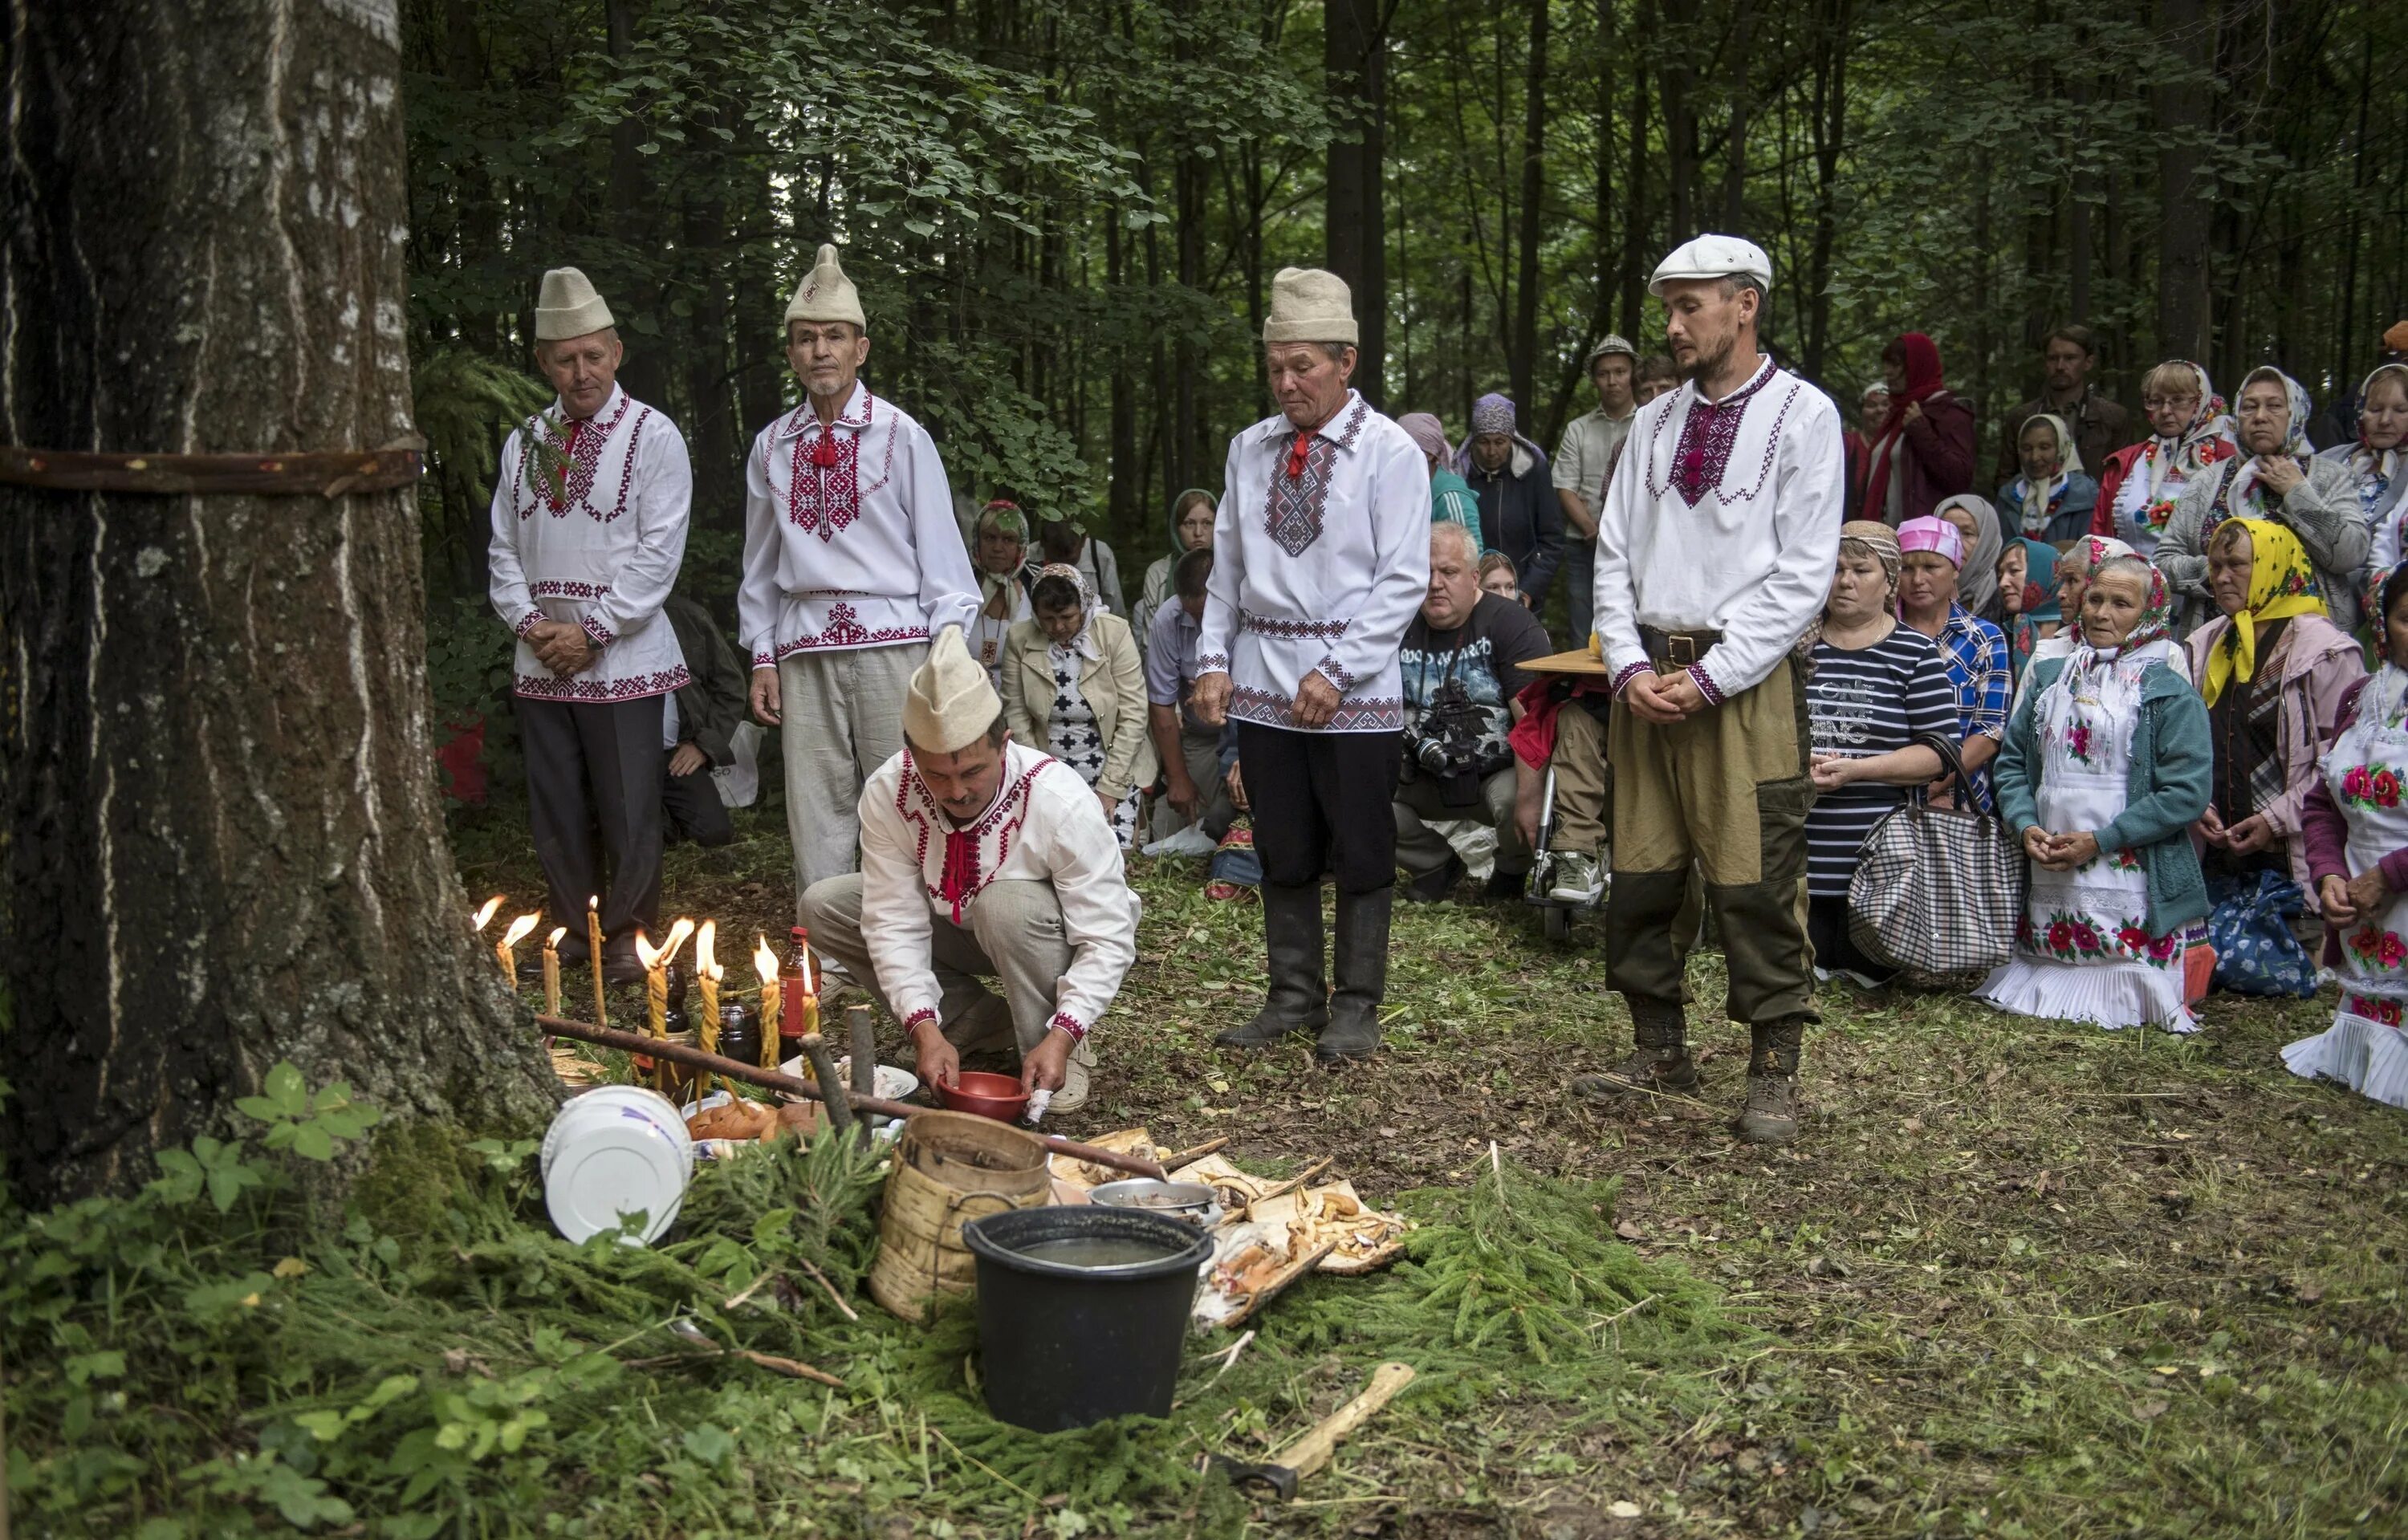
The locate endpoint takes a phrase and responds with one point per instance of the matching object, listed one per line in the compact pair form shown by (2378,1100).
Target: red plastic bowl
(996,1096)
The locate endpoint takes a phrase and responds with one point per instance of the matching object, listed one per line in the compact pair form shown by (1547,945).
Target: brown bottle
(797,980)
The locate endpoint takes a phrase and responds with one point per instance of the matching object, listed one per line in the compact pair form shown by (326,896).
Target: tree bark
(645,371)
(1354,62)
(2179,107)
(1533,193)
(1634,228)
(1680,115)
(223,846)
(1735,143)
(1829,127)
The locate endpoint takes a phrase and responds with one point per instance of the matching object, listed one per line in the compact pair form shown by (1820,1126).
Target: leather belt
(1678,647)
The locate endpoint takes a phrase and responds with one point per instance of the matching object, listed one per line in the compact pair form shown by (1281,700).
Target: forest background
(1064,214)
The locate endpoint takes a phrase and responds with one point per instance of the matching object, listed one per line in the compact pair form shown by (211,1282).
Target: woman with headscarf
(2274,478)
(2075,566)
(1072,684)
(1519,511)
(1973,650)
(2053,500)
(2189,433)
(1451,497)
(2375,461)
(2355,825)
(999,546)
(1977,587)
(1191,529)
(2028,609)
(2106,767)
(2273,669)
(1875,692)
(1925,449)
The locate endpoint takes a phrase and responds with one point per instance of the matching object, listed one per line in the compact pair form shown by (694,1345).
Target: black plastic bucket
(1061,1345)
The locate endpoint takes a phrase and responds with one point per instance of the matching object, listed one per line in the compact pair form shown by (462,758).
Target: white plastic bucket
(613,1152)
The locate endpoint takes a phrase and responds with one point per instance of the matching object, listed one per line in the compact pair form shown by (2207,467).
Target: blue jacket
(2174,767)
(2072,520)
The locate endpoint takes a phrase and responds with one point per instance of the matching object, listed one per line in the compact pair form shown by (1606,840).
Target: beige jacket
(1113,685)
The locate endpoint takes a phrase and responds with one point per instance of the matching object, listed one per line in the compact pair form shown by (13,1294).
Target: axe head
(1247,1473)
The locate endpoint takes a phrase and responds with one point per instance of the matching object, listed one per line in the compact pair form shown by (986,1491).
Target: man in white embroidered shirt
(1321,560)
(982,857)
(589,525)
(853,561)
(1715,551)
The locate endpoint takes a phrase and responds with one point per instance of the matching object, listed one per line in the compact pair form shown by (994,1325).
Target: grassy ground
(2016,1278)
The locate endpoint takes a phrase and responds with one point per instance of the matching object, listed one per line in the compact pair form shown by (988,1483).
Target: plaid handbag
(1937,892)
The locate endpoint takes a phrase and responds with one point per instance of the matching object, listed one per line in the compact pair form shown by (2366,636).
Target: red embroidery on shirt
(580,452)
(1292,513)
(1708,431)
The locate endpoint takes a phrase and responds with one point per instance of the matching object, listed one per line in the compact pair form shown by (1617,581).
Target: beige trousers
(842,715)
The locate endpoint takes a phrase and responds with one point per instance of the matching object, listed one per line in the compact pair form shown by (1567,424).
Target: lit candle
(485,913)
(593,940)
(765,963)
(505,950)
(811,1023)
(551,970)
(707,973)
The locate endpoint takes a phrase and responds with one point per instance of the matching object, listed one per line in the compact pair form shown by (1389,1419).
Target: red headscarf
(1923,381)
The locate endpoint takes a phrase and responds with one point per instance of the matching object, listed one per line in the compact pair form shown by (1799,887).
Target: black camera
(1450,746)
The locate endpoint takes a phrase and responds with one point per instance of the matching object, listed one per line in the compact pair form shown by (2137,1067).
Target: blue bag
(2250,928)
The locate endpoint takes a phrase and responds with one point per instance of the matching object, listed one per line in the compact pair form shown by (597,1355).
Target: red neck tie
(823,449)
(1297,452)
(961,869)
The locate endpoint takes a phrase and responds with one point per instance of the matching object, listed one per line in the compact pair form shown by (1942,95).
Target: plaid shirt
(1975,652)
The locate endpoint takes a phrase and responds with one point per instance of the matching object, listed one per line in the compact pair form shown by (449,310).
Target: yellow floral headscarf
(2282,584)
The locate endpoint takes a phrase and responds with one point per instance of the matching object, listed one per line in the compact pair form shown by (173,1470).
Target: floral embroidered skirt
(2366,1048)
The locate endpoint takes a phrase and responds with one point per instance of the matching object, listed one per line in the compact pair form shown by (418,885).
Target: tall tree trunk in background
(710,433)
(1735,147)
(1121,499)
(645,373)
(1354,62)
(223,847)
(1827,129)
(1189,453)
(1679,115)
(1605,220)
(2346,337)
(1534,186)
(2085,192)
(1637,226)
(2180,109)
(755,329)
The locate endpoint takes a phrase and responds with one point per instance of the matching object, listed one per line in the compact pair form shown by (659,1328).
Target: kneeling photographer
(1460,661)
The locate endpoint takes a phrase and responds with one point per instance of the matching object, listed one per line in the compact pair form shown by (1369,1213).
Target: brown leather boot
(1771,1116)
(1658,1062)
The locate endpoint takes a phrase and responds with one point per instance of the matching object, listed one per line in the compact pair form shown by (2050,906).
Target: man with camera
(1461,666)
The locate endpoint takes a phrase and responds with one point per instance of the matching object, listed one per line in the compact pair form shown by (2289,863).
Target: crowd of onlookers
(2146,655)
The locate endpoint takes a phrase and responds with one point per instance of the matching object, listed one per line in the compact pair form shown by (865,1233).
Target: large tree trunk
(1354,60)
(645,373)
(1828,128)
(223,847)
(1524,361)
(2180,110)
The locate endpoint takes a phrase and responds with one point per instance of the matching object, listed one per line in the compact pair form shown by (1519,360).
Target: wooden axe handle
(1310,1452)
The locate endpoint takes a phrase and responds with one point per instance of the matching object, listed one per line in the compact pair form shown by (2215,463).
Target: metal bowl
(1191,1201)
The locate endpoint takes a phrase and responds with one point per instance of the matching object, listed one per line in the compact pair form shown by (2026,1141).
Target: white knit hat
(568,306)
(1309,305)
(827,293)
(951,703)
(1713,257)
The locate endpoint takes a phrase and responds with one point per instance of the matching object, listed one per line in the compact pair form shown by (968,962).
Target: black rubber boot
(1771,1116)
(1297,1000)
(1659,1061)
(1353,1030)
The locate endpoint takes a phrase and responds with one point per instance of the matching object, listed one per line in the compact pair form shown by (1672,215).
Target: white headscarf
(2244,499)
(1083,645)
(2035,497)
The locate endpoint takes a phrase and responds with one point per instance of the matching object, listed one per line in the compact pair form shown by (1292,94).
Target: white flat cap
(568,307)
(1713,257)
(950,702)
(1309,305)
(826,294)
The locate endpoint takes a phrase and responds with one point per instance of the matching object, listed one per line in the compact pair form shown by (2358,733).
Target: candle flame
(519,929)
(552,940)
(486,912)
(765,961)
(595,903)
(706,962)
(678,934)
(645,954)
(714,973)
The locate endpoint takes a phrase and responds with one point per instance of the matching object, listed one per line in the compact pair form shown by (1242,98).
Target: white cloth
(865,553)
(2366,771)
(597,544)
(740,779)
(2061,646)
(2085,951)
(986,632)
(1753,557)
(1044,825)
(1322,571)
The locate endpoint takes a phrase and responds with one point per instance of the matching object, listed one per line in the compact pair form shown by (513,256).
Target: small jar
(740,1032)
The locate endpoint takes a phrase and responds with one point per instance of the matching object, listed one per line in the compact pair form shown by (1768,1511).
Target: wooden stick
(863,1036)
(839,1105)
(1296,1181)
(795,1085)
(1189,1156)
(850,1313)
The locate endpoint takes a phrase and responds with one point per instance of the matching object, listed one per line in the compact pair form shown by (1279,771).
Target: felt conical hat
(950,702)
(568,306)
(1309,305)
(826,295)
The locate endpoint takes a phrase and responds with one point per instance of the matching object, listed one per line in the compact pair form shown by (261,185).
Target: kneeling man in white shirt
(982,858)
